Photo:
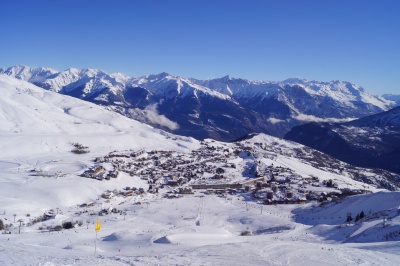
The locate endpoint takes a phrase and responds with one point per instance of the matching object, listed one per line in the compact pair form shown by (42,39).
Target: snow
(38,74)
(168,85)
(36,131)
(164,232)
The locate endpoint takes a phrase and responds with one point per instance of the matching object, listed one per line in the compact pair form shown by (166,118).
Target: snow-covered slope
(164,232)
(389,118)
(39,174)
(372,141)
(27,110)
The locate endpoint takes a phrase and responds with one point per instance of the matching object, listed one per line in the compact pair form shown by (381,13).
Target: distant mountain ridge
(224,109)
(392,97)
(372,142)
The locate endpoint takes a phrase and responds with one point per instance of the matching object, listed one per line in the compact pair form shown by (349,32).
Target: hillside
(392,97)
(372,141)
(38,128)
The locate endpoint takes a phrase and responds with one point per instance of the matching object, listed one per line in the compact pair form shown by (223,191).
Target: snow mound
(112,237)
(162,240)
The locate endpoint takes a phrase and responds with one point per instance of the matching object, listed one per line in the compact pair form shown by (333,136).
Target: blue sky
(356,41)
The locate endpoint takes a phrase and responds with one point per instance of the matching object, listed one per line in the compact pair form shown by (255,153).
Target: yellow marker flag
(97,226)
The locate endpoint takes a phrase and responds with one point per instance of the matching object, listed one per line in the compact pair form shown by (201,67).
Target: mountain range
(223,109)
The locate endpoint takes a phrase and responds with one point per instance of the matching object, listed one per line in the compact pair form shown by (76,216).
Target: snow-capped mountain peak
(30,74)
(295,81)
(170,86)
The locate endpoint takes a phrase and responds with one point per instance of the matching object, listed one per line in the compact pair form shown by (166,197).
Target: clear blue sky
(352,40)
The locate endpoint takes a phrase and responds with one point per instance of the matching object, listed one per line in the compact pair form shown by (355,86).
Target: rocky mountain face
(222,109)
(372,141)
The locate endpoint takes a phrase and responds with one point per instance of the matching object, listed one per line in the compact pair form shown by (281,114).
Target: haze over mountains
(223,109)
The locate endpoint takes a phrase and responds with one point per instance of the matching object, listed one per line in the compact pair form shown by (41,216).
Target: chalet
(113,174)
(232,191)
(172,182)
(100,176)
(185,190)
(209,191)
(108,195)
(87,174)
(269,194)
(88,204)
(268,202)
(172,196)
(127,193)
(301,201)
(265,184)
(97,169)
(219,191)
(217,176)
(138,153)
(288,194)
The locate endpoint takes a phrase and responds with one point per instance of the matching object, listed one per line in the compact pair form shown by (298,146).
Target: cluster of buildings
(222,167)
(100,173)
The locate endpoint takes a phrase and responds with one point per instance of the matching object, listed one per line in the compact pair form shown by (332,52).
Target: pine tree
(362,214)
(1,225)
(357,217)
